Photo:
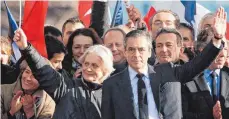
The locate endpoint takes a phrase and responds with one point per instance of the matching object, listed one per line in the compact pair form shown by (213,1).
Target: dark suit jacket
(197,100)
(117,101)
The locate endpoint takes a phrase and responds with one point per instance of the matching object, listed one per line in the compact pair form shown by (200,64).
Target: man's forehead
(73,26)
(164,16)
(137,38)
(171,37)
(113,34)
(137,41)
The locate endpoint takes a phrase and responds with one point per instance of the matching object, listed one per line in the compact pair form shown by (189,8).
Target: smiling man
(114,40)
(168,45)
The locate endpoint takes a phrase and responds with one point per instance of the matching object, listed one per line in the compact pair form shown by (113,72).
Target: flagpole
(20,14)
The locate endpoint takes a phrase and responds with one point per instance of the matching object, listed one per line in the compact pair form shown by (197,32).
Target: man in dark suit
(206,97)
(134,92)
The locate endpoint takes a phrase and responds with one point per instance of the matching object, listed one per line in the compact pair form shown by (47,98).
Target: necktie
(142,98)
(214,87)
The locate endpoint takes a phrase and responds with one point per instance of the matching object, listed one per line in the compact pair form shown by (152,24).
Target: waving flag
(190,11)
(118,14)
(84,11)
(13,27)
(150,13)
(33,24)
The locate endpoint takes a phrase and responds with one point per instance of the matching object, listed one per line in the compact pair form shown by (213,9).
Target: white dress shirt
(152,110)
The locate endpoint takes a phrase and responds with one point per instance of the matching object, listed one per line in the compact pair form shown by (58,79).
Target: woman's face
(28,80)
(80,44)
(93,69)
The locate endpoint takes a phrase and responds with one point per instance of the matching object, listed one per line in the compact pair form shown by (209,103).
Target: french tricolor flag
(189,11)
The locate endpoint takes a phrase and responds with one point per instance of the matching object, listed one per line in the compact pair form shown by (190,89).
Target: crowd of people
(125,72)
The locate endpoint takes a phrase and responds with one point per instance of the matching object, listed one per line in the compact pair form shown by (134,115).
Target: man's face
(28,80)
(167,49)
(114,41)
(56,61)
(207,22)
(187,37)
(137,52)
(220,60)
(69,28)
(162,20)
(80,45)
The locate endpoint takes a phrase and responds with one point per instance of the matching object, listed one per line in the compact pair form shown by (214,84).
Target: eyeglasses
(132,50)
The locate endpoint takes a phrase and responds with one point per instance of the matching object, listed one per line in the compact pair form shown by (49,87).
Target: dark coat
(197,100)
(73,99)
(117,102)
(119,67)
(83,103)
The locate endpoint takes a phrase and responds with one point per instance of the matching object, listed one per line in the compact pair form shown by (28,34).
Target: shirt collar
(207,72)
(133,73)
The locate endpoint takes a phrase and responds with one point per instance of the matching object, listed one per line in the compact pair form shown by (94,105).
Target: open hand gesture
(219,24)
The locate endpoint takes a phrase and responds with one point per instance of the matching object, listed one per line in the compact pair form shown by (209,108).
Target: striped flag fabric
(13,27)
(118,14)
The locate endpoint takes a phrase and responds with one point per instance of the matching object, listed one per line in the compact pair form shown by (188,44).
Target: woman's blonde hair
(6,47)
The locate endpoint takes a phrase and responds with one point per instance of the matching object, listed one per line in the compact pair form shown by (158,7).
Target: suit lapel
(126,91)
(224,83)
(154,82)
(201,83)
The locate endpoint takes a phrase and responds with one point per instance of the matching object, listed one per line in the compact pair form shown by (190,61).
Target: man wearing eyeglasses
(163,19)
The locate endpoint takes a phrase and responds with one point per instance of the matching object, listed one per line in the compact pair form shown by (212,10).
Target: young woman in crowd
(79,41)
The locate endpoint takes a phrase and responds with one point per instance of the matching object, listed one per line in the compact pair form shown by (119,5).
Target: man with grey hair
(114,40)
(134,92)
(206,21)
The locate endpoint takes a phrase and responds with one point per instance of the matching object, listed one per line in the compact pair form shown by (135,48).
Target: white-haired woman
(79,99)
